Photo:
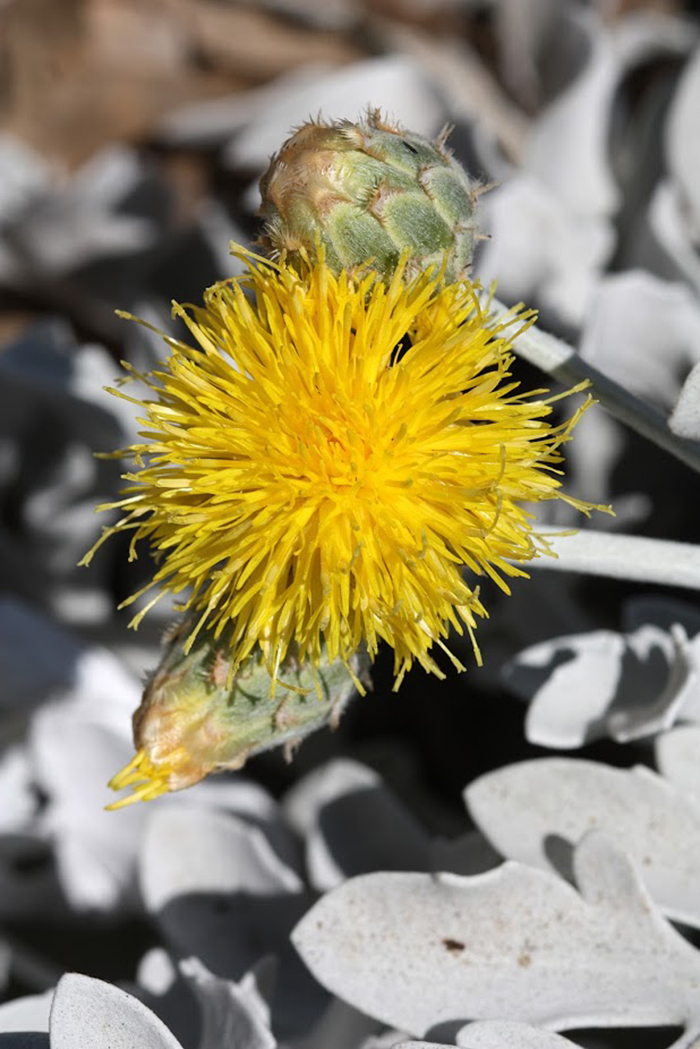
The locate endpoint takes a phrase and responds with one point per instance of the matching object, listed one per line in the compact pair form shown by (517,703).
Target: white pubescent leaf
(188,850)
(232,1014)
(395,84)
(384,1040)
(24,175)
(156,972)
(417,951)
(542,250)
(221,893)
(332,804)
(92,1013)
(568,148)
(68,222)
(24,679)
(660,610)
(527,62)
(421,1045)
(470,853)
(536,811)
(669,224)
(19,801)
(30,1013)
(677,755)
(25,1040)
(602,683)
(343,1027)
(685,418)
(683,138)
(74,747)
(501,1034)
(212,122)
(643,332)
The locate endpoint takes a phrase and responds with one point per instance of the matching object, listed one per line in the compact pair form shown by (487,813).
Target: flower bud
(198,716)
(370,191)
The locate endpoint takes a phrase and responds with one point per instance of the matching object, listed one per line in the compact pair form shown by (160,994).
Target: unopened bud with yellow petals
(198,716)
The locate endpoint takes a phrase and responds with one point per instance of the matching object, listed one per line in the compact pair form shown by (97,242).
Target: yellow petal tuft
(321,467)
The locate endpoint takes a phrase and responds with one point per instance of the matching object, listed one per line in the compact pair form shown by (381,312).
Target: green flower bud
(197,716)
(370,191)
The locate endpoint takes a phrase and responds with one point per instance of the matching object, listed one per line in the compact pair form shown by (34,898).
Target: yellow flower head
(325,463)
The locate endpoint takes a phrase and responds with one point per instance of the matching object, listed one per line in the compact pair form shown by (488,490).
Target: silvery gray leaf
(191,850)
(502,1034)
(569,147)
(385,1040)
(683,140)
(232,1014)
(19,800)
(602,683)
(685,418)
(417,951)
(156,972)
(422,1045)
(24,1040)
(109,177)
(29,889)
(644,333)
(542,250)
(334,14)
(212,122)
(164,990)
(54,484)
(331,804)
(662,610)
(30,1013)
(43,367)
(25,176)
(669,226)
(341,1026)
(677,758)
(394,84)
(96,851)
(536,812)
(76,220)
(484,114)
(219,232)
(77,740)
(220,892)
(25,680)
(528,64)
(87,1012)
(470,853)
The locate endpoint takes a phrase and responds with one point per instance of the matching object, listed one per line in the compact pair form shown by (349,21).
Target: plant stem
(563,363)
(632,557)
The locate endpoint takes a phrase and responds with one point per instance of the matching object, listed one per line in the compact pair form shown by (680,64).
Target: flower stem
(563,363)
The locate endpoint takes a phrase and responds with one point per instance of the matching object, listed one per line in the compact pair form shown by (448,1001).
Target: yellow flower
(324,465)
